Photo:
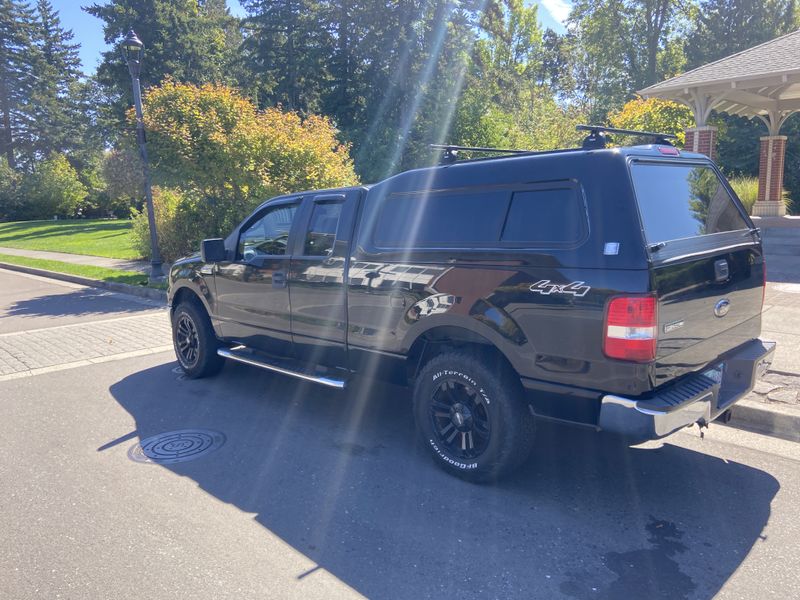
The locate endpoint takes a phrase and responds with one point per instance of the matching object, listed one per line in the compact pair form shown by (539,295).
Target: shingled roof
(762,80)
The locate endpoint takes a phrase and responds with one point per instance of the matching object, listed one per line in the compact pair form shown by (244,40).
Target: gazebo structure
(762,82)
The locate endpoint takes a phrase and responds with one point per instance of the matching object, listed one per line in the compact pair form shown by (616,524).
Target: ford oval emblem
(722,307)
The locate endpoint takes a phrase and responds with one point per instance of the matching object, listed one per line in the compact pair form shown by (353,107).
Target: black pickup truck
(619,288)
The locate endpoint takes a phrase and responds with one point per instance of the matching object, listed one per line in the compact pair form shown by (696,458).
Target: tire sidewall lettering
(465,377)
(450,461)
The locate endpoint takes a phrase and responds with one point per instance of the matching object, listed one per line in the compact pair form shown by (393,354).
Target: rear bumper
(701,397)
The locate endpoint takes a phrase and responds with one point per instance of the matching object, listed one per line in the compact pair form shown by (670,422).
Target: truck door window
(322,229)
(267,235)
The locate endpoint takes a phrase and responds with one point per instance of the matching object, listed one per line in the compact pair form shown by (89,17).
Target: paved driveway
(324,494)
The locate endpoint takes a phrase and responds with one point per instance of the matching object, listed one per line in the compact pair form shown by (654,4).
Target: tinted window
(268,235)
(430,220)
(544,216)
(681,201)
(322,229)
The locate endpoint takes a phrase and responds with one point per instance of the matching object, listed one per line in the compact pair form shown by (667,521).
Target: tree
(626,45)
(192,41)
(52,189)
(55,114)
(654,114)
(15,73)
(721,27)
(285,48)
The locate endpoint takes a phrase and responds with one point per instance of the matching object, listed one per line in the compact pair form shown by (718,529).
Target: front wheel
(194,341)
(471,416)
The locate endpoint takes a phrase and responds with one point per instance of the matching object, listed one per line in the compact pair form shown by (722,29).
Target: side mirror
(213,250)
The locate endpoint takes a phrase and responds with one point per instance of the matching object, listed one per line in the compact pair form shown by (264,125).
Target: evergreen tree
(286,47)
(55,113)
(15,74)
(722,27)
(192,41)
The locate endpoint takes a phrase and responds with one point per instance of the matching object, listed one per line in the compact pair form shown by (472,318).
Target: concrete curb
(122,288)
(776,421)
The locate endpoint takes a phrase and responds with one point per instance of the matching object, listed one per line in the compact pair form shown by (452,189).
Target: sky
(88,30)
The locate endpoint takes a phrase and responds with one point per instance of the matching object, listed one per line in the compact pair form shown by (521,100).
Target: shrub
(183,219)
(212,140)
(747,190)
(215,156)
(9,191)
(52,189)
(124,183)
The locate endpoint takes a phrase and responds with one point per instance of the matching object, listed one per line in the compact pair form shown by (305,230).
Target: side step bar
(232,354)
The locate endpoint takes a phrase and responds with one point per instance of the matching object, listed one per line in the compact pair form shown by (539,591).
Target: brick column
(770,177)
(702,139)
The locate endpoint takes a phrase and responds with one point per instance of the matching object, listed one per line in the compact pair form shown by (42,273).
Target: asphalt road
(324,494)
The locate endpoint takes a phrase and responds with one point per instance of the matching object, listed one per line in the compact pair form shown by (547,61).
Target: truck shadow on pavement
(80,302)
(342,478)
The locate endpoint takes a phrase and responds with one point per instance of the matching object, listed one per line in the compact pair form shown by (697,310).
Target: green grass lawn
(98,237)
(101,273)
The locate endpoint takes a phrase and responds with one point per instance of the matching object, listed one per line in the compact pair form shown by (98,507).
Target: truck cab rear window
(679,201)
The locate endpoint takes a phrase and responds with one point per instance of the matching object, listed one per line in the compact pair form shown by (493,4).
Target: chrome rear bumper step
(249,359)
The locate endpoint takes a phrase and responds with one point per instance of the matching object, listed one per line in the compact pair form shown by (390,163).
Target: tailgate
(707,265)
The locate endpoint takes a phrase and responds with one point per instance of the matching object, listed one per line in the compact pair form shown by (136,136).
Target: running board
(251,360)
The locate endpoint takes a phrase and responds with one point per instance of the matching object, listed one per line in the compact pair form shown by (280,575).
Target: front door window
(267,235)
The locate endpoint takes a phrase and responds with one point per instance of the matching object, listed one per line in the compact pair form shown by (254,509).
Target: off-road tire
(492,400)
(192,330)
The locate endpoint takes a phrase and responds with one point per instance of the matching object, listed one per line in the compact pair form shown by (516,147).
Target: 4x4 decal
(546,287)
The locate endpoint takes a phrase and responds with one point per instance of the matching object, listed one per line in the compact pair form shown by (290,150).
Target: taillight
(631,328)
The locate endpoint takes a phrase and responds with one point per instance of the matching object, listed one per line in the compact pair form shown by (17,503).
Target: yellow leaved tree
(219,156)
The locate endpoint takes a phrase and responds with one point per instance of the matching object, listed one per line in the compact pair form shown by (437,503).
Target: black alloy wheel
(460,419)
(187,342)
(471,414)
(194,340)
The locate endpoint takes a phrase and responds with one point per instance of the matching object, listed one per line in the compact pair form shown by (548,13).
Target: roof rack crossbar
(597,138)
(670,136)
(450,154)
(477,149)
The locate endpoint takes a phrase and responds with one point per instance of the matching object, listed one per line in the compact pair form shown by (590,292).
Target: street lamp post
(132,48)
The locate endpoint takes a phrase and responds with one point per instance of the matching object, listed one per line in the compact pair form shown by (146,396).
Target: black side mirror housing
(213,250)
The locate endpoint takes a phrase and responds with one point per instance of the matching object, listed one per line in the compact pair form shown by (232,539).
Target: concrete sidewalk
(774,405)
(82,259)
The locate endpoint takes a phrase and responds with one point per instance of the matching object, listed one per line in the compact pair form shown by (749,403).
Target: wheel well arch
(443,338)
(187,294)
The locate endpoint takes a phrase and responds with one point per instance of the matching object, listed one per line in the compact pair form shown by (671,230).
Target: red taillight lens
(631,328)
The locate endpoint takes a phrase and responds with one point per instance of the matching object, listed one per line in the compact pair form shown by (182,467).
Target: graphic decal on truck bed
(545,287)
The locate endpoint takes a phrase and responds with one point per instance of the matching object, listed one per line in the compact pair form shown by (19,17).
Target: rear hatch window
(680,201)
(703,257)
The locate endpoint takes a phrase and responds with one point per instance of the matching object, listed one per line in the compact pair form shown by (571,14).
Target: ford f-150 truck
(619,288)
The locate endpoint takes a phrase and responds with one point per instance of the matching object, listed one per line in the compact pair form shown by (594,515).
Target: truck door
(316,278)
(252,290)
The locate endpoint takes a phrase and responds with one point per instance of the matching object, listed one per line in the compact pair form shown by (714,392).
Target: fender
(510,346)
(187,279)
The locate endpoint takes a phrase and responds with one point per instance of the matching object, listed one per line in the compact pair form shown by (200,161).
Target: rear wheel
(471,416)
(194,341)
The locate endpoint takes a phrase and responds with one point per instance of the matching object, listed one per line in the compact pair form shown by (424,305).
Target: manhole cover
(176,446)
